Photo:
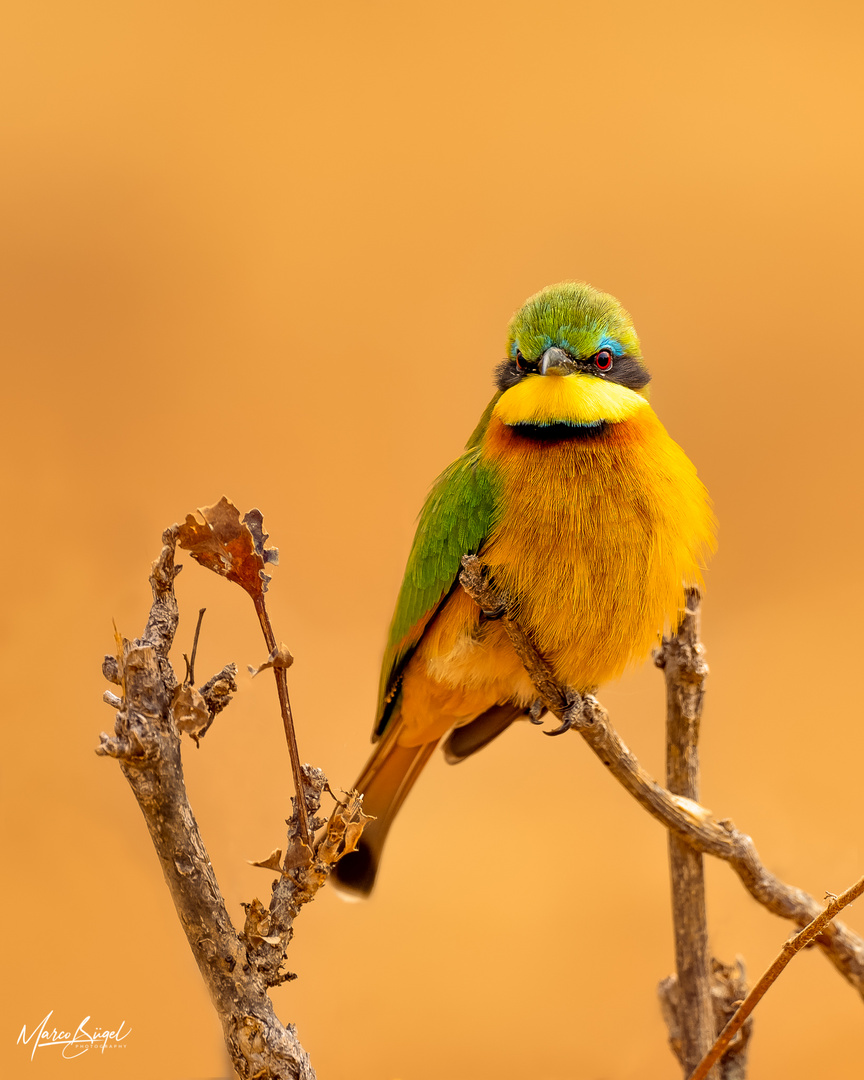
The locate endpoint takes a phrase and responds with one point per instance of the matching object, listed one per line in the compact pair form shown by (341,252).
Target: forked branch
(238,968)
(683,816)
(794,945)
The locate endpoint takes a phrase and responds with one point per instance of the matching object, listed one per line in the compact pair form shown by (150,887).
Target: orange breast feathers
(598,538)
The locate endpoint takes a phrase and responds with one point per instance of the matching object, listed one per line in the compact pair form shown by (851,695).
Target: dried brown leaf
(217,538)
(343,829)
(280,657)
(257,926)
(297,856)
(190,712)
(272,862)
(352,835)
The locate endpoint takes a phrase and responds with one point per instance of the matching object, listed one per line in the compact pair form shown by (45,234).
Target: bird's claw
(572,715)
(494,614)
(537,712)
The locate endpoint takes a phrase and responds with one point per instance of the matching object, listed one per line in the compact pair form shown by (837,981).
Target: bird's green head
(573,357)
(573,317)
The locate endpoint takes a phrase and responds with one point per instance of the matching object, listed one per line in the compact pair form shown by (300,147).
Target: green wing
(457,516)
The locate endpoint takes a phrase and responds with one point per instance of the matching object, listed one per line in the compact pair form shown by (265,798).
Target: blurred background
(270,250)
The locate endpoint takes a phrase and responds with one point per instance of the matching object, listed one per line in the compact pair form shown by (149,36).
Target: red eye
(520,362)
(603,360)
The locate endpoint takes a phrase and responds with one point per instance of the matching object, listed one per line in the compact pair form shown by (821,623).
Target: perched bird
(586,514)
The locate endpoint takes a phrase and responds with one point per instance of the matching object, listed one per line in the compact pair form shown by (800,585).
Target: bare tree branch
(794,945)
(240,968)
(681,658)
(237,968)
(728,990)
(686,818)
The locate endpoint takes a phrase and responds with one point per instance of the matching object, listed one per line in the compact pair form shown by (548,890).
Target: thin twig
(190,664)
(794,945)
(236,549)
(287,723)
(687,818)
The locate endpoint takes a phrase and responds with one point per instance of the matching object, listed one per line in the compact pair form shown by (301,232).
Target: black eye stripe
(625,371)
(524,365)
(507,374)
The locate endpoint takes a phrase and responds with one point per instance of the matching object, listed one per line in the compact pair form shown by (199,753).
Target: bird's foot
(537,712)
(476,580)
(571,715)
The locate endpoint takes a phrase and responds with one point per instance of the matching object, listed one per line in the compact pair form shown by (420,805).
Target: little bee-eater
(588,517)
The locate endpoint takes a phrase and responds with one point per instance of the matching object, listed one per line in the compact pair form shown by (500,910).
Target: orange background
(270,250)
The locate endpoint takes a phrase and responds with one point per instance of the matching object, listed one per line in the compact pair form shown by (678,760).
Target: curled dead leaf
(257,926)
(217,538)
(279,658)
(297,856)
(352,835)
(189,711)
(344,829)
(272,862)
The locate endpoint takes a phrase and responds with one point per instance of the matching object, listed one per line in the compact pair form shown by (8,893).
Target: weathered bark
(238,969)
(698,1000)
(684,817)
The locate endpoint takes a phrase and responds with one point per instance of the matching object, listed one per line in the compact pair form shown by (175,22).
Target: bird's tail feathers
(389,775)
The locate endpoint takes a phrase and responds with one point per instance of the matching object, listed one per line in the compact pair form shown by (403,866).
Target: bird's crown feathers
(575,317)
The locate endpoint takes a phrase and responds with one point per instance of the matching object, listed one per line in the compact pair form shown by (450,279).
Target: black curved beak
(556,362)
